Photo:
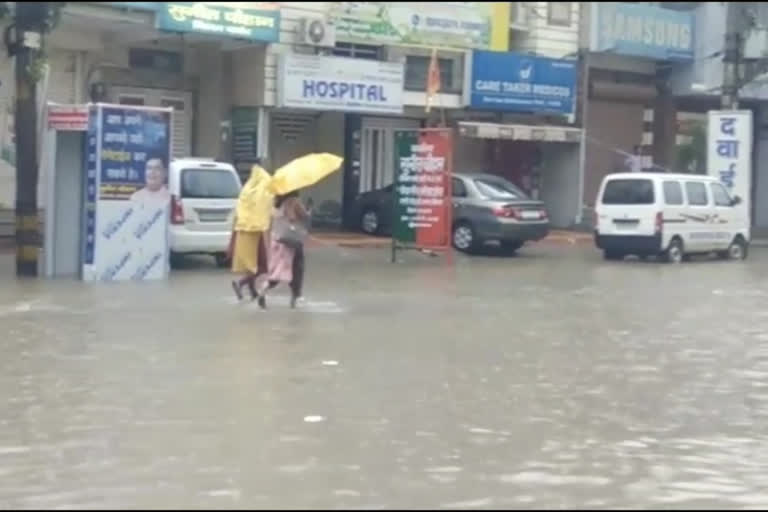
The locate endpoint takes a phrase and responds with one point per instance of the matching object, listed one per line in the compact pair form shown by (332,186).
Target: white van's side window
(720,195)
(673,193)
(697,193)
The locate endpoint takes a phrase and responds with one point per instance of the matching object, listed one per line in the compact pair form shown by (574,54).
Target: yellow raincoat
(254,206)
(253,217)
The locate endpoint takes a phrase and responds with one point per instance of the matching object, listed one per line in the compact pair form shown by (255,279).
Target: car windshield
(209,184)
(628,191)
(498,189)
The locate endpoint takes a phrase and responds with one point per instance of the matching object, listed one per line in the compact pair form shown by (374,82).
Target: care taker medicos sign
(344,85)
(127,197)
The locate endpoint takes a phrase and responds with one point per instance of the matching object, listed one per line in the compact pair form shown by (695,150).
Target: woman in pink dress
(286,264)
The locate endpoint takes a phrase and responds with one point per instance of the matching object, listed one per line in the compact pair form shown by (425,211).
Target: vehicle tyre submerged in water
(737,251)
(369,222)
(675,252)
(463,237)
(222,259)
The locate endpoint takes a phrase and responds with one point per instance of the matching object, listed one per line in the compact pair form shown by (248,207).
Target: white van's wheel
(675,253)
(737,250)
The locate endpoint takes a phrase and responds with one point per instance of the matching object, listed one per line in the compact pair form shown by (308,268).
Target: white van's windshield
(209,184)
(628,191)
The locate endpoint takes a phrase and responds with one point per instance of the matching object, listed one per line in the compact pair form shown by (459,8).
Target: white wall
(560,183)
(290,14)
(547,40)
(706,70)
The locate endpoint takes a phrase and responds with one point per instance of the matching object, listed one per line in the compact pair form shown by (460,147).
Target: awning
(519,132)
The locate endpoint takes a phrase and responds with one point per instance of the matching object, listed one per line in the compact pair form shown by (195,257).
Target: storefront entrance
(541,160)
(378,151)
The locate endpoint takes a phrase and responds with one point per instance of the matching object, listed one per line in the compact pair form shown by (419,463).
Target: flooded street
(552,379)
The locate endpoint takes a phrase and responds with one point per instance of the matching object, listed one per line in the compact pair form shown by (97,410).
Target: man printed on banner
(156,182)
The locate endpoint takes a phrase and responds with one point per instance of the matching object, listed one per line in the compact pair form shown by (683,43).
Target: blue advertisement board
(127,197)
(642,31)
(506,81)
(134,153)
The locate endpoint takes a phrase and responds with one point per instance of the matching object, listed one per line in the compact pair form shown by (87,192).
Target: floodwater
(552,379)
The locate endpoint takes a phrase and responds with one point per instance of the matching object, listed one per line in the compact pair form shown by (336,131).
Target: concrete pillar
(211,100)
(664,129)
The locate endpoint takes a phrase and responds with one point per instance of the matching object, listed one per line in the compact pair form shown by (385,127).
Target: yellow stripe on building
(500,12)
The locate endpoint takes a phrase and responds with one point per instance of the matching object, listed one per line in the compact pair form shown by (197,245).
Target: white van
(203,198)
(672,215)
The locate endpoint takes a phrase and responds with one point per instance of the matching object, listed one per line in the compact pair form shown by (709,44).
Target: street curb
(363,242)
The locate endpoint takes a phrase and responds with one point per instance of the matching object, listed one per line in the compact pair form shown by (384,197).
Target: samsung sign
(642,31)
(340,84)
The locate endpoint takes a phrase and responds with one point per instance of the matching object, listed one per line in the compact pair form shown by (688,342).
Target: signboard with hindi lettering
(127,196)
(729,153)
(241,21)
(422,190)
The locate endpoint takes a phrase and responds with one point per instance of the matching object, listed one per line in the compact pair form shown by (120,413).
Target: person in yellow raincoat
(253,217)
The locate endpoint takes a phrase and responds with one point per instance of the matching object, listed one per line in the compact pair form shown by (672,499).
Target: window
(143,58)
(131,100)
(459,189)
(209,184)
(417,70)
(629,191)
(559,13)
(356,51)
(499,189)
(673,193)
(720,195)
(697,194)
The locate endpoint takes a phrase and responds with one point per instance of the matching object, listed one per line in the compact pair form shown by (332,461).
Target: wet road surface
(551,379)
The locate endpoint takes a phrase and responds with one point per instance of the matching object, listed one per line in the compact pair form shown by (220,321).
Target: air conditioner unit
(316,32)
(519,16)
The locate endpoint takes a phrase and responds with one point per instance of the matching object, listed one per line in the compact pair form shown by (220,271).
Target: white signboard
(127,197)
(340,84)
(729,153)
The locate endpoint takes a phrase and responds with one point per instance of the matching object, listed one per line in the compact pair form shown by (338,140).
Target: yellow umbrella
(303,172)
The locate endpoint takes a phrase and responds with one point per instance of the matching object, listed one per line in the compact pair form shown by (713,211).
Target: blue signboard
(134,153)
(506,81)
(642,31)
(127,196)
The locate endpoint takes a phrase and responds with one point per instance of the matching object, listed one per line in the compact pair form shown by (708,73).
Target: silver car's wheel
(370,222)
(463,237)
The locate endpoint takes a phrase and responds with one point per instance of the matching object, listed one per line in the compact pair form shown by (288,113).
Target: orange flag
(433,79)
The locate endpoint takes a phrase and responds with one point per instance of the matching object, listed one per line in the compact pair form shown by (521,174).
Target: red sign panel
(69,118)
(422,202)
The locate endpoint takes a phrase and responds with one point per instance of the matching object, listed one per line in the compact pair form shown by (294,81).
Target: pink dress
(280,257)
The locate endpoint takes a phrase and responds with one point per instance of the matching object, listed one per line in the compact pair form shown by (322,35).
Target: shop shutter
(181,145)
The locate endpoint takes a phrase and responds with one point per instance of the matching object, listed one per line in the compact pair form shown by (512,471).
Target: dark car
(486,208)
